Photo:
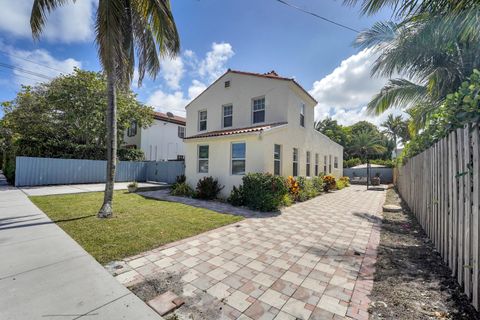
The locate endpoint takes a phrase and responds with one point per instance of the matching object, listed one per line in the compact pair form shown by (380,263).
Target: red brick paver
(315,260)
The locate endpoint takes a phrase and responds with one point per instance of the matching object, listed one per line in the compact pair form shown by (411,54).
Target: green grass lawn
(139,224)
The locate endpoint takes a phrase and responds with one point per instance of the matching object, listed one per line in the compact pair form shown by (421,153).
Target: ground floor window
(295,162)
(325,164)
(330,164)
(316,164)
(203,159)
(307,167)
(238,158)
(335,163)
(277,159)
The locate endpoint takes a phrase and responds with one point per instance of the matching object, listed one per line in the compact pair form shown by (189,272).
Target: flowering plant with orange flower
(330,183)
(293,187)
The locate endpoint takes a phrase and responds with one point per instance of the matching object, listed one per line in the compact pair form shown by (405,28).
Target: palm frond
(40,11)
(381,33)
(397,93)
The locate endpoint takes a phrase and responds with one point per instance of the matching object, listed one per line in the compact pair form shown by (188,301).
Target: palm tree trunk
(107,208)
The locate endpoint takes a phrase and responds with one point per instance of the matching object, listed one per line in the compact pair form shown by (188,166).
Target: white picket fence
(442,188)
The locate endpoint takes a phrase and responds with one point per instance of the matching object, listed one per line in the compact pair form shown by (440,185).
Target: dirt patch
(196,307)
(411,281)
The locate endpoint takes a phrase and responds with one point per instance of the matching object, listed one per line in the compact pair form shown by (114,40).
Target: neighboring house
(163,140)
(248,122)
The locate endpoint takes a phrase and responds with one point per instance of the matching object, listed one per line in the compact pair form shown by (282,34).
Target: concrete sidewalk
(44,274)
(90,187)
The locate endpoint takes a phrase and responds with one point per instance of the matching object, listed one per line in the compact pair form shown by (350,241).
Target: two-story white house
(249,122)
(163,140)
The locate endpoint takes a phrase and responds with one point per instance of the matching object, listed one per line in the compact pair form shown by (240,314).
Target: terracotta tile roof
(228,132)
(164,117)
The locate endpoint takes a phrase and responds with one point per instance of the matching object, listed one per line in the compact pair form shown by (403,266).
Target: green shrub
(9,170)
(236,197)
(345,181)
(330,183)
(341,184)
(264,191)
(287,200)
(181,189)
(318,184)
(208,188)
(307,190)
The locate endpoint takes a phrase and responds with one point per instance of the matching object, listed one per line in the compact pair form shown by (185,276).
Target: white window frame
(224,116)
(308,172)
(302,114)
(203,159)
(244,159)
(264,109)
(330,163)
(295,162)
(181,132)
(132,129)
(279,160)
(201,120)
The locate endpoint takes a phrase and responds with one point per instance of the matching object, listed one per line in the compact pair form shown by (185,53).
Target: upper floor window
(203,159)
(132,130)
(202,120)
(277,158)
(238,158)
(259,110)
(335,162)
(181,132)
(295,162)
(307,167)
(316,164)
(227,116)
(227,84)
(302,114)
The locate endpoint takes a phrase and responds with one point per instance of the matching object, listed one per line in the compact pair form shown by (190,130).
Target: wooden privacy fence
(442,188)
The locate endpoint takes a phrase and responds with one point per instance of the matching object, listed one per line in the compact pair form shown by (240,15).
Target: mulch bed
(411,280)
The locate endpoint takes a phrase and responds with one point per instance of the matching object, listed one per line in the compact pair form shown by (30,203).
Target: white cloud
(174,102)
(202,71)
(344,93)
(39,61)
(195,89)
(172,71)
(215,60)
(72,22)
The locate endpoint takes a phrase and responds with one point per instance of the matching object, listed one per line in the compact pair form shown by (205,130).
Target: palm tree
(365,144)
(432,61)
(125,29)
(393,127)
(434,49)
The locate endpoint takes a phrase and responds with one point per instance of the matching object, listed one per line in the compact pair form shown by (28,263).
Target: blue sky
(250,35)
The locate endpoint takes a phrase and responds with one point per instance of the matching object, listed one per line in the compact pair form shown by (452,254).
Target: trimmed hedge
(263,191)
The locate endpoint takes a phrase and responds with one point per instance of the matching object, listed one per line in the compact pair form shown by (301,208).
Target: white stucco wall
(283,103)
(160,141)
(243,89)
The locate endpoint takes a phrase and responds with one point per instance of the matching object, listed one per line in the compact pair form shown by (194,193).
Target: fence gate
(165,171)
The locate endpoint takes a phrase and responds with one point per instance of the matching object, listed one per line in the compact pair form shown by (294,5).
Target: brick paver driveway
(312,261)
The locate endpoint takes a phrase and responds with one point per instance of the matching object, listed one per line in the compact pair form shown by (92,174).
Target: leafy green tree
(125,30)
(333,130)
(66,118)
